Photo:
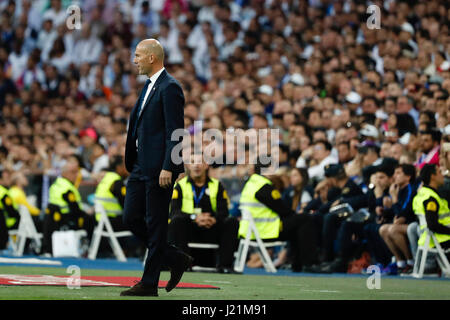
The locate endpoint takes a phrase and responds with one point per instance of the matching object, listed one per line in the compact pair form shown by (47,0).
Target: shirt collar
(155,77)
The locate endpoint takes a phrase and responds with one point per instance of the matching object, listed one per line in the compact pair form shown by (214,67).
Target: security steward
(9,216)
(199,213)
(64,210)
(429,203)
(275,221)
(111,191)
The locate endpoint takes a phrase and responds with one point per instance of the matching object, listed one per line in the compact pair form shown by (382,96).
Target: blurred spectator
(296,196)
(320,156)
(46,35)
(17,192)
(88,140)
(98,159)
(56,13)
(88,47)
(429,145)
(402,191)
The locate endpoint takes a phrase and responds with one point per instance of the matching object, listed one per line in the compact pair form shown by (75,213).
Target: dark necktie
(144,91)
(141,103)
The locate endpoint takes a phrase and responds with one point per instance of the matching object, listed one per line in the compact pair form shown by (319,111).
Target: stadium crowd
(360,110)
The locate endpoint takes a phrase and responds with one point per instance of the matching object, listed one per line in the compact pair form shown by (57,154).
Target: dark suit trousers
(146,211)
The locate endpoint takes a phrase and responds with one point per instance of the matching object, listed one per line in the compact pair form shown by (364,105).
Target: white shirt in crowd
(317,171)
(18,63)
(87,50)
(100,163)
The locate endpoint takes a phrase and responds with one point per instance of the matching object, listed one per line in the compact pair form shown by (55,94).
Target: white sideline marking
(30,261)
(210,281)
(324,291)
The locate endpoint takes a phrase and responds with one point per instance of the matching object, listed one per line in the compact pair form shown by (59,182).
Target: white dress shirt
(153,79)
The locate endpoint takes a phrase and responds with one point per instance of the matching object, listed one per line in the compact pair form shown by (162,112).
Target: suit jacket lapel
(150,95)
(133,115)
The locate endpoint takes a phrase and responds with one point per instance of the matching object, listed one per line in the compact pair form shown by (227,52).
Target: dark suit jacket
(162,114)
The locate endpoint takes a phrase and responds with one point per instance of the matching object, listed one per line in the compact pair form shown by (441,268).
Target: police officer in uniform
(199,213)
(341,230)
(430,204)
(344,190)
(64,211)
(9,216)
(276,221)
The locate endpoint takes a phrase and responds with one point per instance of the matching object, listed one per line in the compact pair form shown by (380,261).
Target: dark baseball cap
(333,170)
(387,166)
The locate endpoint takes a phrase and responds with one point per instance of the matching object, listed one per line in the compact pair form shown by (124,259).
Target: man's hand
(205,219)
(165,179)
(321,190)
(335,203)
(387,202)
(210,221)
(379,211)
(380,217)
(393,191)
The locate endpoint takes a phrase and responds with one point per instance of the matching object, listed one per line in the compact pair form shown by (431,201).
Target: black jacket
(163,113)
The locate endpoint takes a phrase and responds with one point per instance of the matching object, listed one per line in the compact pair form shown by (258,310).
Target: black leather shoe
(315,268)
(310,269)
(139,290)
(338,265)
(176,272)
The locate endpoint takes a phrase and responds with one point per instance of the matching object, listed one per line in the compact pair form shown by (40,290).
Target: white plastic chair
(244,244)
(26,230)
(199,245)
(105,229)
(423,250)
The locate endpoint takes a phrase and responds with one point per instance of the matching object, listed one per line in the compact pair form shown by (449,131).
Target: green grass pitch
(235,287)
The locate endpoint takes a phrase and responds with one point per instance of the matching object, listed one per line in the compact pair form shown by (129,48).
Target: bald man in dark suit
(158,112)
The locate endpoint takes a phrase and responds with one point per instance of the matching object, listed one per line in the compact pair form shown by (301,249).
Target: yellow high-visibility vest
(10,221)
(424,194)
(266,220)
(187,205)
(58,189)
(107,199)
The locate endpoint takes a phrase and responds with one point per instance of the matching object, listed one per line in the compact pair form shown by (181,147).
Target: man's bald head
(149,57)
(152,46)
